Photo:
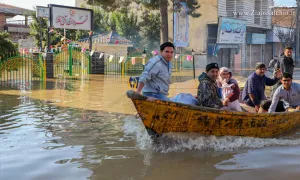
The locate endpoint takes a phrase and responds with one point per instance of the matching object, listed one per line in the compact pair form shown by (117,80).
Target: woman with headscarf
(230,89)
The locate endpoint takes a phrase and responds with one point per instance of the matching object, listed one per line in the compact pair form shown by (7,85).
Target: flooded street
(87,129)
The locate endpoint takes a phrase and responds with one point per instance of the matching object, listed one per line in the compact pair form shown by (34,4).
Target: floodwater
(87,129)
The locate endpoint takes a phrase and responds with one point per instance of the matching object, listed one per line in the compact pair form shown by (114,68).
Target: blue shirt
(291,98)
(156,76)
(256,85)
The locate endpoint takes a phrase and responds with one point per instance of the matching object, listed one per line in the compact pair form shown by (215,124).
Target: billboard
(43,12)
(71,18)
(258,38)
(181,27)
(231,31)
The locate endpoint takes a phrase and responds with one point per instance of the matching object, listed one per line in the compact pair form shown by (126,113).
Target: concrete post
(49,65)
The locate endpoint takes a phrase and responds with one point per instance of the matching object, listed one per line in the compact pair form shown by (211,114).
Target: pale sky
(29,4)
(285,2)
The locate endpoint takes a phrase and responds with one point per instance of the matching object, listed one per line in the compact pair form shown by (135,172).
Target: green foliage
(110,5)
(101,20)
(126,25)
(155,5)
(150,29)
(38,29)
(6,45)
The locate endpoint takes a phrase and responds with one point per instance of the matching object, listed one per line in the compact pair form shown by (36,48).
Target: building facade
(258,15)
(16,29)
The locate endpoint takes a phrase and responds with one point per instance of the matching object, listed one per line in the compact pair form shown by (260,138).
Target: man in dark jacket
(254,90)
(286,64)
(208,95)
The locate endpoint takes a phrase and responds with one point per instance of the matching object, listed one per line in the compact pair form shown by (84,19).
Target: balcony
(17,28)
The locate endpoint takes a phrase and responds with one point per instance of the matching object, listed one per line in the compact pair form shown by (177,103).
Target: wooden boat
(163,116)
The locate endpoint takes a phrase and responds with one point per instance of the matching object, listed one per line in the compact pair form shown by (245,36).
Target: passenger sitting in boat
(208,95)
(286,96)
(230,89)
(156,77)
(254,90)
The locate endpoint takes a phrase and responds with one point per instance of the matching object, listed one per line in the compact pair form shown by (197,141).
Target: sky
(283,2)
(29,4)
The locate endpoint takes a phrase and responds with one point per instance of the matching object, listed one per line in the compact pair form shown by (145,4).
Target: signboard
(258,38)
(71,18)
(43,12)
(231,31)
(181,27)
(18,29)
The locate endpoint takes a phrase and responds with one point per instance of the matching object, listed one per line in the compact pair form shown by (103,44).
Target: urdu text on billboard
(231,31)
(71,18)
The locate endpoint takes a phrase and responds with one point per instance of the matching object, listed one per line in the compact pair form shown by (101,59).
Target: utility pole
(65,35)
(297,32)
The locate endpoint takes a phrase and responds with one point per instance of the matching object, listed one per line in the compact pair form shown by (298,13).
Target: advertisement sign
(43,12)
(18,29)
(71,18)
(258,38)
(181,27)
(231,31)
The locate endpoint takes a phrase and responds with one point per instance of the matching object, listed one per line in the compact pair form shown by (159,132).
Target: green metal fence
(71,62)
(137,65)
(21,68)
(112,64)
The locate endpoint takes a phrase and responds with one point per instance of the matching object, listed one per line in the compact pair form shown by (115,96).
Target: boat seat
(247,108)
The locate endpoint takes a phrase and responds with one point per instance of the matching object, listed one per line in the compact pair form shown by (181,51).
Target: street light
(144,54)
(193,54)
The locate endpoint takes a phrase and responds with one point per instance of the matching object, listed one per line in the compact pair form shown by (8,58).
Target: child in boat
(229,89)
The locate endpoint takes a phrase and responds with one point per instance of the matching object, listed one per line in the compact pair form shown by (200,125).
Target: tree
(150,29)
(6,45)
(286,36)
(38,29)
(126,25)
(284,25)
(110,5)
(161,5)
(101,20)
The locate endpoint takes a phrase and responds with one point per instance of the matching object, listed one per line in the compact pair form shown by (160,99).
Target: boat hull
(162,117)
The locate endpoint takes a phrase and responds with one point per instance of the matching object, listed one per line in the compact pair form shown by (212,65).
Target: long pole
(194,66)
(39,19)
(90,40)
(65,36)
(48,33)
(297,31)
(49,43)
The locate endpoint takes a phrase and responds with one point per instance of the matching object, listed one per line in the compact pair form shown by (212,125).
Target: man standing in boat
(254,90)
(155,80)
(208,95)
(285,64)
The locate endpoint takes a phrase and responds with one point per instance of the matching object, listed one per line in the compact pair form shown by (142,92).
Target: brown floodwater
(87,129)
